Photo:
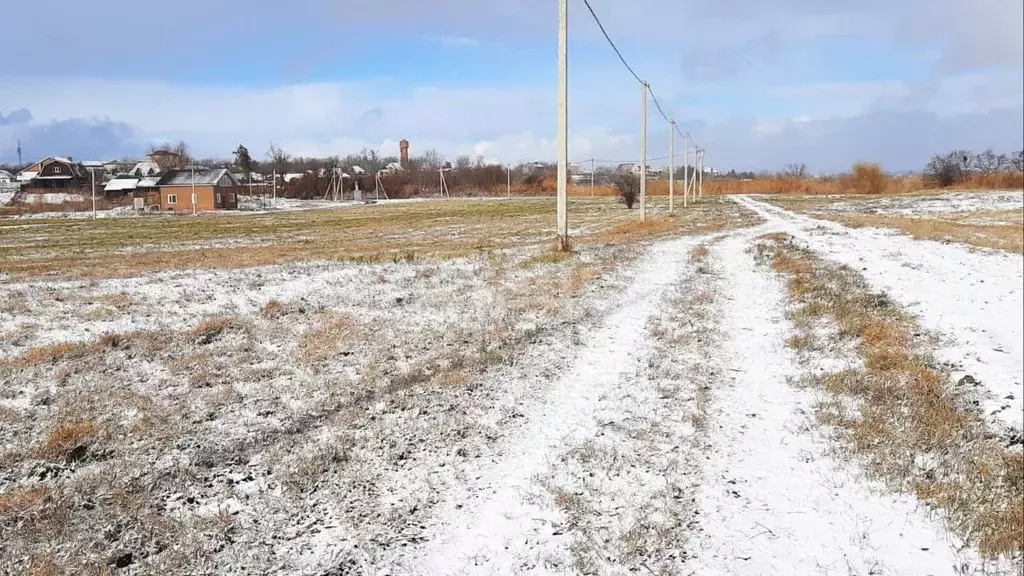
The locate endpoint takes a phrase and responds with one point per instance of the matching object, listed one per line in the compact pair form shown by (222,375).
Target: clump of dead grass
(273,309)
(329,335)
(553,257)
(900,410)
(699,253)
(49,354)
(67,441)
(209,330)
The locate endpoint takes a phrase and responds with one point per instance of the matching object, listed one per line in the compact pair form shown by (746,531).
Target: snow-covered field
(936,204)
(631,409)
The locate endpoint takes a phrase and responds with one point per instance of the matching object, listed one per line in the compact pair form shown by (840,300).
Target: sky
(758,84)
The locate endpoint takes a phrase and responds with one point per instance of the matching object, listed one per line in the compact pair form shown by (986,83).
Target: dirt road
(762,492)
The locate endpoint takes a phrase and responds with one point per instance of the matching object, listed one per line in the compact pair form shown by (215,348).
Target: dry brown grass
(209,330)
(699,253)
(17,501)
(65,440)
(273,308)
(329,335)
(1008,237)
(48,354)
(125,247)
(904,410)
(633,228)
(864,178)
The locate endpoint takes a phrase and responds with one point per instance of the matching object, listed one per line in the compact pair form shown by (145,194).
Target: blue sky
(758,84)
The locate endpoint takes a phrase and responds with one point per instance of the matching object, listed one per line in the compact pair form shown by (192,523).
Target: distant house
(215,189)
(8,187)
(145,168)
(166,160)
(627,168)
(53,180)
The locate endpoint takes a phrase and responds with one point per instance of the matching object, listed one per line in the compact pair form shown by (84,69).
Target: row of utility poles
(694,179)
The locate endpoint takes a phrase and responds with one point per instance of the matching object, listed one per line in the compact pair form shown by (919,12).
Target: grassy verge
(894,409)
(1008,237)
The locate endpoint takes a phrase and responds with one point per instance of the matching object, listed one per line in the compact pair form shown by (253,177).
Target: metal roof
(121,183)
(201,178)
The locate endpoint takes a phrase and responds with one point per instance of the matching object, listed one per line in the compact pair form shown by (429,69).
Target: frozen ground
(934,205)
(974,300)
(627,410)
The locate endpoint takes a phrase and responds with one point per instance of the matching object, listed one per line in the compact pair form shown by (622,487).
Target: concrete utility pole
(593,168)
(508,175)
(686,177)
(701,174)
(671,166)
(643,152)
(92,171)
(275,187)
(193,167)
(562,204)
(696,160)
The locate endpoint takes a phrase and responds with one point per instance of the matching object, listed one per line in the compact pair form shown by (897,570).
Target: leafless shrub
(629,189)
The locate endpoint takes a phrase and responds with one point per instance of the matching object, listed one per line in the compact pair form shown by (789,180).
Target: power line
(609,39)
(654,97)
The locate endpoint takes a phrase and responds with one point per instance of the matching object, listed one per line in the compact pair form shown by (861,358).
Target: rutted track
(974,298)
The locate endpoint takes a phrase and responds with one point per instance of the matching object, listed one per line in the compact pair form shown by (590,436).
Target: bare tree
(795,170)
(431,160)
(278,158)
(178,158)
(463,162)
(946,170)
(1016,161)
(987,162)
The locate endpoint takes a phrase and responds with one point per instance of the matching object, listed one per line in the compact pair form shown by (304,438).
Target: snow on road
(973,298)
(495,523)
(773,501)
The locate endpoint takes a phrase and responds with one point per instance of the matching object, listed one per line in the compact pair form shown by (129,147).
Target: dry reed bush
(328,335)
(899,410)
(864,178)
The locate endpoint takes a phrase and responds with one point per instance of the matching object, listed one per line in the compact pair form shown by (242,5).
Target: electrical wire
(612,43)
(650,90)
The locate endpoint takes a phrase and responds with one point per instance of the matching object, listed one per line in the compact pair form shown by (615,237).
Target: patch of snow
(773,501)
(946,203)
(489,524)
(973,298)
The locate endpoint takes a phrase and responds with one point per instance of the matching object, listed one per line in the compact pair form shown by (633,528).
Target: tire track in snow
(501,522)
(974,297)
(772,502)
